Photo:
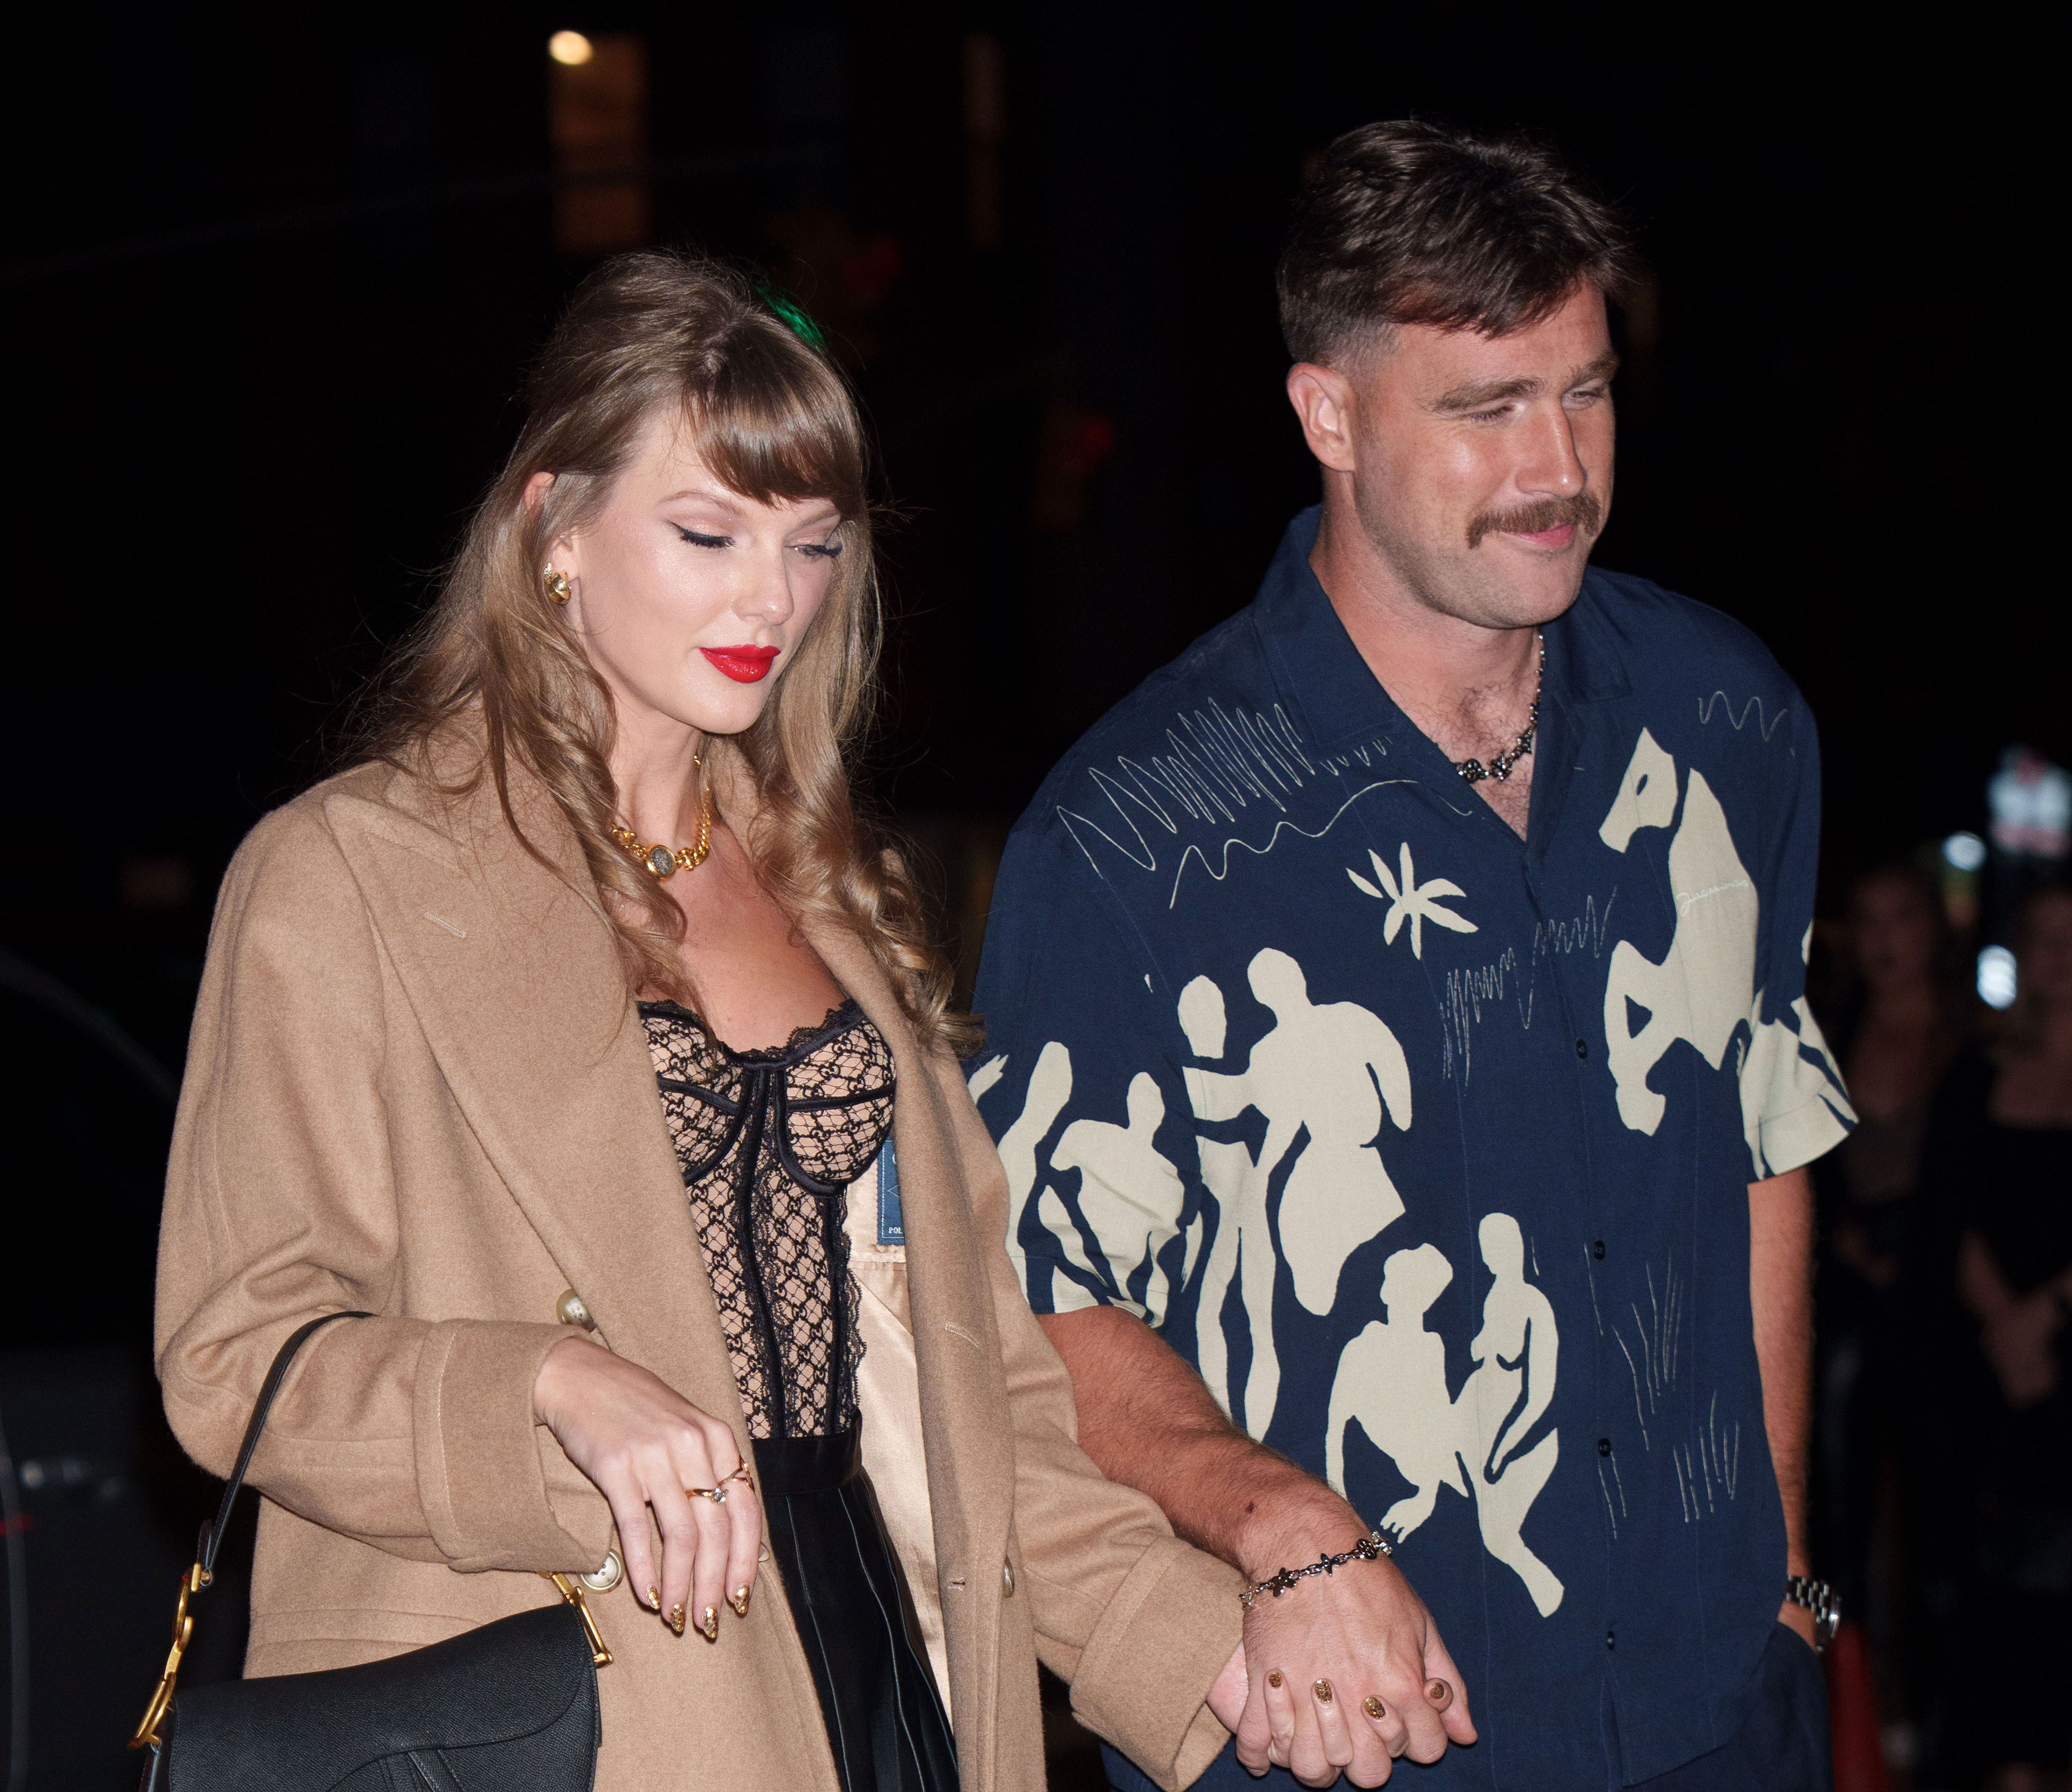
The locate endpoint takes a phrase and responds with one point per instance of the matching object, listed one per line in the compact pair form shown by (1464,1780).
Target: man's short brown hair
(1407,223)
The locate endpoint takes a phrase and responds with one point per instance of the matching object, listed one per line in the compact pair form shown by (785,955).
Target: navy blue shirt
(1429,1147)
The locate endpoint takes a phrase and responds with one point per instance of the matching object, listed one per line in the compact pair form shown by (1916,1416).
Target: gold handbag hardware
(149,1734)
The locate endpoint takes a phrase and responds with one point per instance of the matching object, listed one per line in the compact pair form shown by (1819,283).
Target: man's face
(1482,465)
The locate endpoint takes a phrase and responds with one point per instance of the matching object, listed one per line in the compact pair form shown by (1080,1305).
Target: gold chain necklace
(658,861)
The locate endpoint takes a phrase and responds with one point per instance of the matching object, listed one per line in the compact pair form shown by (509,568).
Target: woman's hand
(644,1444)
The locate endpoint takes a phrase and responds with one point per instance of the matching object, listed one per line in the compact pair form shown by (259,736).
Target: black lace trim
(769,1140)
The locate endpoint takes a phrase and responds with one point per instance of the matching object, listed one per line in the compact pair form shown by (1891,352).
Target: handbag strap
(150,1731)
(212,1530)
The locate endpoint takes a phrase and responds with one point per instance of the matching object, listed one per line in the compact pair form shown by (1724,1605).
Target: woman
(1999,1176)
(564,1034)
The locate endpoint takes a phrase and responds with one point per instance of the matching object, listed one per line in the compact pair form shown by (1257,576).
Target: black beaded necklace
(1473,771)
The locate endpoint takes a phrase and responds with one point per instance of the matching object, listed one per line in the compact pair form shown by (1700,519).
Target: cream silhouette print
(1505,1398)
(1704,987)
(1701,990)
(1392,1379)
(1120,1170)
(1242,1249)
(1050,1088)
(1333,1069)
(1412,901)
(1130,1194)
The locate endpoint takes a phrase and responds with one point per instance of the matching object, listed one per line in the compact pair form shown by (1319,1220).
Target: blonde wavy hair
(773,419)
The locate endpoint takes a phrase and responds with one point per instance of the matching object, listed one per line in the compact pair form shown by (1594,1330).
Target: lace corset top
(769,1142)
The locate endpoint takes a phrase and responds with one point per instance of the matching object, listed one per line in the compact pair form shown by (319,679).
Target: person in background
(1902,1019)
(1997,1180)
(1397,1048)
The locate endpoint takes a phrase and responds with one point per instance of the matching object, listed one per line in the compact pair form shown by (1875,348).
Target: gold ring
(1374,1707)
(1322,1689)
(718,1495)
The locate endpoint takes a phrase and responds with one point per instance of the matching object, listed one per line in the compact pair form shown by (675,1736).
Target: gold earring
(558,585)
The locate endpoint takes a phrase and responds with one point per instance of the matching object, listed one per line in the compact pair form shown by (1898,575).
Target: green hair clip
(796,319)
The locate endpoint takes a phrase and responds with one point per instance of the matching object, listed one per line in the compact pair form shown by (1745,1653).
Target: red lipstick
(744,665)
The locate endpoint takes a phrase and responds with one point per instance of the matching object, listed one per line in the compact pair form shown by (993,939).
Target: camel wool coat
(418,1085)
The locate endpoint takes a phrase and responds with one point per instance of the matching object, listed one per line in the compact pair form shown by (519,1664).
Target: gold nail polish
(674,1620)
(1273,1678)
(738,1599)
(1322,1689)
(654,1598)
(709,1629)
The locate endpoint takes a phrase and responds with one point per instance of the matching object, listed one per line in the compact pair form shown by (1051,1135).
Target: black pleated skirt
(886,1721)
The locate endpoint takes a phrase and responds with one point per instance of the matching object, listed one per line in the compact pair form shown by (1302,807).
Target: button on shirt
(1429,1147)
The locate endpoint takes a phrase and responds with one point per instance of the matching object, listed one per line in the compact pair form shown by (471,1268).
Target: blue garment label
(891,1225)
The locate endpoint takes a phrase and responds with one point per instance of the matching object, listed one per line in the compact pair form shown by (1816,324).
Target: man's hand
(1147,1421)
(1326,1656)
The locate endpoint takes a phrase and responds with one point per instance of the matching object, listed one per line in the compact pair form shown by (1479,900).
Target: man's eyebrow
(1482,395)
(1487,391)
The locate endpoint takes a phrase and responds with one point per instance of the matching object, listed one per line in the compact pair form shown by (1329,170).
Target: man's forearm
(1148,1421)
(1780,1293)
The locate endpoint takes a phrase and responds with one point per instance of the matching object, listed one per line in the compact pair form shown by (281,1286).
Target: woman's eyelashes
(830,549)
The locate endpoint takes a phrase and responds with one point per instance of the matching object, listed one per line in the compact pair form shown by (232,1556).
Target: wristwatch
(1818,1598)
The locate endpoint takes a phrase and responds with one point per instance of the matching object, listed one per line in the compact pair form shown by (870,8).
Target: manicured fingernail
(1273,1678)
(674,1620)
(1440,1693)
(1322,1689)
(709,1629)
(654,1598)
(1374,1707)
(738,1599)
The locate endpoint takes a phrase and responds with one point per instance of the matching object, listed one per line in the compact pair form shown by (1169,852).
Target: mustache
(1583,510)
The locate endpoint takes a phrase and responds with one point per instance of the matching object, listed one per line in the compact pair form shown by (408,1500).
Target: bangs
(774,421)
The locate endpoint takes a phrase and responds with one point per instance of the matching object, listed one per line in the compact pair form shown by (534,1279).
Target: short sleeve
(1794,1106)
(1079,1084)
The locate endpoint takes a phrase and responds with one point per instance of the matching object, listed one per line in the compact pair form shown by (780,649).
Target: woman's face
(2047,964)
(1894,933)
(690,600)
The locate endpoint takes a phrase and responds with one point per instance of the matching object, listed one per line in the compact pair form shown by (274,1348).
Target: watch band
(1818,1598)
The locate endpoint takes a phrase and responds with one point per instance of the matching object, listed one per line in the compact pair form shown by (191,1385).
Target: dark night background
(269,278)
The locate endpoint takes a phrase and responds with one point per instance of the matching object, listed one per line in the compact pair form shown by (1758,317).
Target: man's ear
(1324,402)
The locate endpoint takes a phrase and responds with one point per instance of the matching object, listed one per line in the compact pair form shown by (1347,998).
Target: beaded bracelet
(1370,1548)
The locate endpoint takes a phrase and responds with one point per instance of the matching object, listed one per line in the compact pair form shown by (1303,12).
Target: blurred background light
(1965,852)
(1997,977)
(570,49)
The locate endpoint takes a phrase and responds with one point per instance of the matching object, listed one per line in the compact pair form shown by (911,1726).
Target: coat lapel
(515,980)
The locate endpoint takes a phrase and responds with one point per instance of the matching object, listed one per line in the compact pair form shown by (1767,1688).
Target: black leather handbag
(511,1707)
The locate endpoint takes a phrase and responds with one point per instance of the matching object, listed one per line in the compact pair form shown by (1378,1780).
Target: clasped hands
(1344,1673)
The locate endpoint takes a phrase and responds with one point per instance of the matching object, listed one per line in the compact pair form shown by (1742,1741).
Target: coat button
(1597,1249)
(1604,1446)
(1007,1577)
(1582,1048)
(570,1310)
(607,1577)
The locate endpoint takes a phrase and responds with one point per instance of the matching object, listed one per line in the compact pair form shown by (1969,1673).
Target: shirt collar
(1321,675)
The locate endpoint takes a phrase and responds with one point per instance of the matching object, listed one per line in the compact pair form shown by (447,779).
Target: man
(1398,1048)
